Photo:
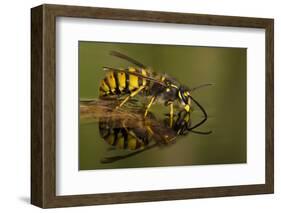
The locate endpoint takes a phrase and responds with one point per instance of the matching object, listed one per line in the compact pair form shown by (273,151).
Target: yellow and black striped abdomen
(122,138)
(109,84)
(116,83)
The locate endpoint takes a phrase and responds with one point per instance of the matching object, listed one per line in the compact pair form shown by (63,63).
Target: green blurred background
(225,102)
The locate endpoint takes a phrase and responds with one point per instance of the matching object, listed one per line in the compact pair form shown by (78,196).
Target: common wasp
(126,123)
(157,87)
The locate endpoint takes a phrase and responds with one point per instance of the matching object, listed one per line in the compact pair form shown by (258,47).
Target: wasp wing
(107,69)
(127,58)
(121,157)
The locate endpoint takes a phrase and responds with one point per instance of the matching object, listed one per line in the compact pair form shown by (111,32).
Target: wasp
(126,129)
(117,126)
(139,137)
(141,80)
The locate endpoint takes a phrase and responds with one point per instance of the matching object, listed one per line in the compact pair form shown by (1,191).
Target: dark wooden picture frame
(43,105)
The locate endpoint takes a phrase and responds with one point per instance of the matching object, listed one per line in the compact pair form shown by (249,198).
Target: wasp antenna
(200,86)
(200,132)
(204,113)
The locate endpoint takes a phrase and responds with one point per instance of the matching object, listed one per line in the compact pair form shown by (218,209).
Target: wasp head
(184,97)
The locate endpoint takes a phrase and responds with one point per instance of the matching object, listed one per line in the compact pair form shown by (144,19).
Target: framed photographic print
(135,106)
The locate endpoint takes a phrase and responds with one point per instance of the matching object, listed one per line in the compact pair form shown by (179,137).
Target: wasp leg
(171,113)
(131,95)
(150,131)
(182,122)
(149,105)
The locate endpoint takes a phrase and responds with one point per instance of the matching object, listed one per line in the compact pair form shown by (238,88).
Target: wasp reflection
(127,129)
